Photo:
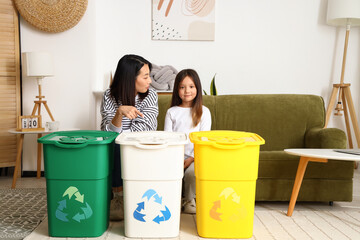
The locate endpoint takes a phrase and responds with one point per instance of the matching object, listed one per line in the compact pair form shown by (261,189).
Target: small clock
(29,123)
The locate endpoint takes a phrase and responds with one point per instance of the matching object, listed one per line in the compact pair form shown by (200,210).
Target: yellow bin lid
(226,139)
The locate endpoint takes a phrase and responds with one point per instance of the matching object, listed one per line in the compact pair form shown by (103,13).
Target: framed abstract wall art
(183,20)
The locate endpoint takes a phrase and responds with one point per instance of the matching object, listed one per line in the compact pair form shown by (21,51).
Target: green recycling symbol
(70,207)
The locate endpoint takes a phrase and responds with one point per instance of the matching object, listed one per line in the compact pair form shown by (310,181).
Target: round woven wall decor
(52,15)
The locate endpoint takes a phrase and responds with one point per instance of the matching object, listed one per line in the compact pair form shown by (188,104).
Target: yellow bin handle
(229,145)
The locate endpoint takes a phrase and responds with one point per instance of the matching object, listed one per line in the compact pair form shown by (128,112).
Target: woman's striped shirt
(148,106)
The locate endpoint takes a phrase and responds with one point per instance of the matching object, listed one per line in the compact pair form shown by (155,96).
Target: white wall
(278,46)
(69,93)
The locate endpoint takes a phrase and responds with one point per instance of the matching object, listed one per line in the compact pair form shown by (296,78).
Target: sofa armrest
(325,138)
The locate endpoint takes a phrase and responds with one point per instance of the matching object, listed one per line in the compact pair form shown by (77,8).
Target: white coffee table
(312,155)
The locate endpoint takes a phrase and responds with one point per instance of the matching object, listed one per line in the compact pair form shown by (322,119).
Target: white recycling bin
(152,168)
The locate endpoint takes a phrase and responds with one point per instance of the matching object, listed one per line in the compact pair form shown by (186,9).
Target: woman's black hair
(122,87)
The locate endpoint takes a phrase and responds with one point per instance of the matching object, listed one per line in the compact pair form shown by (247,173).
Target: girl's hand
(188,161)
(129,111)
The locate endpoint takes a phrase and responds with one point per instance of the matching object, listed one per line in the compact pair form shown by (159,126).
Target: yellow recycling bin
(226,169)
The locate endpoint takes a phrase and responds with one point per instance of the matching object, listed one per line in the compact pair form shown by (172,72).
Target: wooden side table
(312,155)
(20,148)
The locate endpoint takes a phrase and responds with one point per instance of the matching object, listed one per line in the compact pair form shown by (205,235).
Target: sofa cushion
(164,104)
(284,121)
(281,119)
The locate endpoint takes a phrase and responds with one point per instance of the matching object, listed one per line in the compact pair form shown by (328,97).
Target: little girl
(187,114)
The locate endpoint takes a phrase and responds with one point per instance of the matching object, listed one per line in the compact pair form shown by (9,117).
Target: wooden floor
(309,220)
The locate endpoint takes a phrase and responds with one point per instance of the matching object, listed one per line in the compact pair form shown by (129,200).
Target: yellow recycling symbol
(228,206)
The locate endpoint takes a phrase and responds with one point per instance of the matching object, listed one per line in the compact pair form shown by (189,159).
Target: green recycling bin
(78,181)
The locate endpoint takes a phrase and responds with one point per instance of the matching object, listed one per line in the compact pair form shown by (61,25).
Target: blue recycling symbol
(70,206)
(151,200)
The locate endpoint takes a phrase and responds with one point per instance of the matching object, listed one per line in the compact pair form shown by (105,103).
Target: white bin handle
(151,146)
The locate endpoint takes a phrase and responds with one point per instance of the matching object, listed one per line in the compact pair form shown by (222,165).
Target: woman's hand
(188,161)
(127,111)
(130,112)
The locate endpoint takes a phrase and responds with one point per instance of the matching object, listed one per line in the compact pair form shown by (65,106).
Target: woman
(129,105)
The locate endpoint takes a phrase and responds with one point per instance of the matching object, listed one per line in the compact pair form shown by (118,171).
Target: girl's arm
(205,122)
(188,161)
(205,125)
(168,122)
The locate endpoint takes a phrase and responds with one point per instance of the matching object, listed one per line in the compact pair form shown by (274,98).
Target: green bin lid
(79,137)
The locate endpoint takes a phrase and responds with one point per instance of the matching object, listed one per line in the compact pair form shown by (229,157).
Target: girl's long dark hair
(122,87)
(196,108)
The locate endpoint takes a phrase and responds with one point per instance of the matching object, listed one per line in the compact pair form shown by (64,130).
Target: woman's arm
(149,108)
(108,112)
(129,112)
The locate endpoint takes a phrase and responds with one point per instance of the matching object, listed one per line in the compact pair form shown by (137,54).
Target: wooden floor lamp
(39,65)
(344,13)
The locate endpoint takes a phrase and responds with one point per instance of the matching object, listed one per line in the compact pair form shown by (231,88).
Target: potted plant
(213,90)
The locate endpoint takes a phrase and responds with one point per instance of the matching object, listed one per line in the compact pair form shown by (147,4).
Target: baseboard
(9,171)
(31,173)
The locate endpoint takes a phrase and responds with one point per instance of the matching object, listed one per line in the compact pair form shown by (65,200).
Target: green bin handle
(76,145)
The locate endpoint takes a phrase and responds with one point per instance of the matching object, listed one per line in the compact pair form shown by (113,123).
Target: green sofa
(284,121)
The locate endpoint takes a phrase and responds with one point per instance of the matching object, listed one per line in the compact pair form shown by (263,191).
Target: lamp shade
(38,64)
(339,11)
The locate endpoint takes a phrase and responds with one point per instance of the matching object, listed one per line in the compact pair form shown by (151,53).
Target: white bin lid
(152,138)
